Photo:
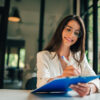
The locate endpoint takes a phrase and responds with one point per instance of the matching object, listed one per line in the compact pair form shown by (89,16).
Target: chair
(31,83)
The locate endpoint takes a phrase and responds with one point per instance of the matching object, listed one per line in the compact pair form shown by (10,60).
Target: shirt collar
(54,55)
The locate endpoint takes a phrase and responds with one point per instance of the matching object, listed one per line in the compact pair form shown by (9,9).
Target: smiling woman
(68,41)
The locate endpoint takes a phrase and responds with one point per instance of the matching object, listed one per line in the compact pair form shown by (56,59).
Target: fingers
(81,93)
(50,80)
(67,74)
(81,88)
(69,67)
(70,71)
(84,85)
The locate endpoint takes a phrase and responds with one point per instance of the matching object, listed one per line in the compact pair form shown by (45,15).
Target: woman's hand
(84,89)
(70,71)
(50,80)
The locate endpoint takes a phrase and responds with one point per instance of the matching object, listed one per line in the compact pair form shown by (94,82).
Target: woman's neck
(64,51)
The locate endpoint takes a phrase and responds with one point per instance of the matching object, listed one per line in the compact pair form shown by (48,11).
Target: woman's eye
(68,30)
(76,33)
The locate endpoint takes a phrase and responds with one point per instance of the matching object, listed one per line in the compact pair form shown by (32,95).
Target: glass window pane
(90,2)
(6,55)
(99,36)
(90,38)
(90,35)
(22,58)
(13,58)
(2,3)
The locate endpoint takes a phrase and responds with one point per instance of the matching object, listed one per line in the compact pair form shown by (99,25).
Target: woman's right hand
(70,71)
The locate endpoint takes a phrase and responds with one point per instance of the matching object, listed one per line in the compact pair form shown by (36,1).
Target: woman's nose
(72,33)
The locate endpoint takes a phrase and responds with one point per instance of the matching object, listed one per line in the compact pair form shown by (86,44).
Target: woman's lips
(68,39)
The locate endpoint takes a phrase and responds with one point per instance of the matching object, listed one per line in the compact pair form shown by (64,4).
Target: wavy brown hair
(56,40)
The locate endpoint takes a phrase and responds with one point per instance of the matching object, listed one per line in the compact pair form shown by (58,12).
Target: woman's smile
(68,39)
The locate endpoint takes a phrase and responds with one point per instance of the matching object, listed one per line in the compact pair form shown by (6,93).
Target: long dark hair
(56,40)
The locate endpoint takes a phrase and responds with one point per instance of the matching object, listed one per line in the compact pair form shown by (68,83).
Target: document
(62,84)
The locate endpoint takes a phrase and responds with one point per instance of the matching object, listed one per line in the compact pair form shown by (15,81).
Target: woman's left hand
(82,89)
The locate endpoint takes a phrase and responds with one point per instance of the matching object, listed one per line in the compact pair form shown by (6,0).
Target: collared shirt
(49,66)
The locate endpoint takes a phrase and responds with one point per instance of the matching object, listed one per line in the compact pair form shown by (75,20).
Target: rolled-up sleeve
(88,71)
(42,69)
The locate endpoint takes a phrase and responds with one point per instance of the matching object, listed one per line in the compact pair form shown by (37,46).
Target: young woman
(68,41)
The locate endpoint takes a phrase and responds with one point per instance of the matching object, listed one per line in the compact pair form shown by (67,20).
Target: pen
(68,63)
(66,60)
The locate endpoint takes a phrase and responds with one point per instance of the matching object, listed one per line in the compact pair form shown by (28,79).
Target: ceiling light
(14,17)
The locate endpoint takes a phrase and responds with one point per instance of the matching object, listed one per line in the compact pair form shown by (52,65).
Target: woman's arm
(42,69)
(88,71)
(84,89)
(67,72)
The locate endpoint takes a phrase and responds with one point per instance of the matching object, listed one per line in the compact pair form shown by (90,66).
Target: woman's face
(70,33)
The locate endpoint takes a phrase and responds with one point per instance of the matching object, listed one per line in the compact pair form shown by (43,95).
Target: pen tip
(62,57)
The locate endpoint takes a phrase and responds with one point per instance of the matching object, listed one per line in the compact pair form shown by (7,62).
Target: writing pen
(68,63)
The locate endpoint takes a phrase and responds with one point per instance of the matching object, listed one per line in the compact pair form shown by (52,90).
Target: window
(22,58)
(90,34)
(99,36)
(11,59)
(88,10)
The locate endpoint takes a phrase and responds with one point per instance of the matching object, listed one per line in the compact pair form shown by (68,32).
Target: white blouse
(49,66)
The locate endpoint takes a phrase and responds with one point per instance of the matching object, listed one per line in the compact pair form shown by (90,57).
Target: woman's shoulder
(43,53)
(46,54)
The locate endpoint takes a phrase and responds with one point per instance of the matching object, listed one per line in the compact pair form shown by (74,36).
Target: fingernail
(79,83)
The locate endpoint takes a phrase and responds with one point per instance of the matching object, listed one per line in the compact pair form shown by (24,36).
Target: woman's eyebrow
(68,26)
(72,27)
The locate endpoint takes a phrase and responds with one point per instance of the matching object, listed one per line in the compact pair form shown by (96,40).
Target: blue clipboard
(62,84)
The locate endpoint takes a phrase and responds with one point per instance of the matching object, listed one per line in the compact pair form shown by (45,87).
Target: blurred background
(26,26)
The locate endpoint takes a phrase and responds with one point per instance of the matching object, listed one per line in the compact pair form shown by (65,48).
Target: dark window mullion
(95,36)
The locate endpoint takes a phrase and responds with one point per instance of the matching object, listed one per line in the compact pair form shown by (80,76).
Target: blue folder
(62,84)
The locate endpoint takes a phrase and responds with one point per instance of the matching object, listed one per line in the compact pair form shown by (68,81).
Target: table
(6,94)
